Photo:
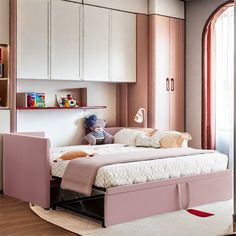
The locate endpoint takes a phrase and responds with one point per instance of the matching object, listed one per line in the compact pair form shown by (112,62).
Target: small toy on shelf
(40,100)
(66,101)
(35,100)
(31,99)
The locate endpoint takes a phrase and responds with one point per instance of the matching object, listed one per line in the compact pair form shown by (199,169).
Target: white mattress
(142,171)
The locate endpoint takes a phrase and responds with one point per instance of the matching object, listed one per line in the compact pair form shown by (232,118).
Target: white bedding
(140,172)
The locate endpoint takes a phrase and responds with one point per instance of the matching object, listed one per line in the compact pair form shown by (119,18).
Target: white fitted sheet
(142,171)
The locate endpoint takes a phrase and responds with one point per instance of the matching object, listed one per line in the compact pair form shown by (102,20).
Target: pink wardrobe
(166,72)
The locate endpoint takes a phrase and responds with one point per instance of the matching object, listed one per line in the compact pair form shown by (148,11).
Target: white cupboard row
(69,41)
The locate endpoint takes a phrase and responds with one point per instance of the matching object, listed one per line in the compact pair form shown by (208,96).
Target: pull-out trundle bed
(121,192)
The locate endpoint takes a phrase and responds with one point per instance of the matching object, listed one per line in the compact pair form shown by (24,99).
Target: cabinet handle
(167,84)
(172,84)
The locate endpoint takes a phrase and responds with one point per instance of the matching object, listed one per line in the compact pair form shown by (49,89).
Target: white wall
(65,127)
(173,8)
(137,6)
(197,13)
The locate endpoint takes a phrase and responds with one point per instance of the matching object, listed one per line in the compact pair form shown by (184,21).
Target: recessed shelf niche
(79,94)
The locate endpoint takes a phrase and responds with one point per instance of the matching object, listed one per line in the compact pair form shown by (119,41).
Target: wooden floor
(16,219)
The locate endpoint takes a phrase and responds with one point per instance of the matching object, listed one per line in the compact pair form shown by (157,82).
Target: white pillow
(143,140)
(128,136)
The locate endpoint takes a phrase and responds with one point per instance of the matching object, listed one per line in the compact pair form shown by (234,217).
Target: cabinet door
(65,40)
(123,47)
(32,39)
(96,43)
(162,58)
(177,74)
(4,21)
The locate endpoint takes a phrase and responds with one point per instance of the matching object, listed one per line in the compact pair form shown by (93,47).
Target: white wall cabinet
(4,21)
(65,40)
(109,45)
(32,39)
(96,43)
(123,47)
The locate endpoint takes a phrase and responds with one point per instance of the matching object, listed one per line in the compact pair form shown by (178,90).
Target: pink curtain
(208,119)
(208,96)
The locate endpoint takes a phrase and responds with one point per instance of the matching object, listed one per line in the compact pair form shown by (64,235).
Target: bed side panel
(26,168)
(148,199)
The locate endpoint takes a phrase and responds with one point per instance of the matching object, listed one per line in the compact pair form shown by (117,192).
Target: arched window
(217,74)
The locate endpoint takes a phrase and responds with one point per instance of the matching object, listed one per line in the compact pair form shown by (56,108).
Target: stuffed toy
(75,154)
(172,141)
(97,135)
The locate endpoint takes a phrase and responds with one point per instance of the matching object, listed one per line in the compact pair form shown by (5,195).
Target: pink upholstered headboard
(113,130)
(110,130)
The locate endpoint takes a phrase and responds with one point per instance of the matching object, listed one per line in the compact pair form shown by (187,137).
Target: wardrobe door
(123,47)
(161,65)
(65,40)
(96,43)
(177,74)
(32,39)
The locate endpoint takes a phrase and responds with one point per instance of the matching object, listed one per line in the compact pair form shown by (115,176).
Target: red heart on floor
(199,213)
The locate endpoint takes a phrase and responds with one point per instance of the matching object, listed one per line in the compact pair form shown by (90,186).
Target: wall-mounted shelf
(62,108)
(79,94)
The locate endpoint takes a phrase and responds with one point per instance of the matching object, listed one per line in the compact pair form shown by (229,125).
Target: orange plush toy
(75,154)
(172,141)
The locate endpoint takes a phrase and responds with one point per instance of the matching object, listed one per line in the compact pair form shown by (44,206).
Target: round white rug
(179,223)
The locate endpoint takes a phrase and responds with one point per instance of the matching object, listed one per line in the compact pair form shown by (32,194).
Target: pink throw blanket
(80,173)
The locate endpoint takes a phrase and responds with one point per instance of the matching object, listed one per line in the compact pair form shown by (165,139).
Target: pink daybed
(27,177)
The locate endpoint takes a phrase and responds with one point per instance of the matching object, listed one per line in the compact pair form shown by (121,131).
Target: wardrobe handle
(167,84)
(172,85)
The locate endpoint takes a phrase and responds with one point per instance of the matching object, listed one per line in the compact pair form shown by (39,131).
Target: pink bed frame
(26,176)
